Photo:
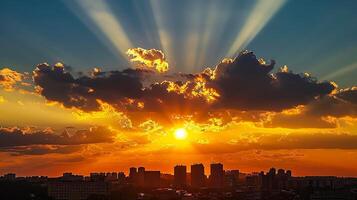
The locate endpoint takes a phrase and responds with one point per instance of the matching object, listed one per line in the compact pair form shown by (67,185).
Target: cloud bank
(244,83)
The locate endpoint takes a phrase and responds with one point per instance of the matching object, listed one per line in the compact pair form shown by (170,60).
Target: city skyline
(141,183)
(134,170)
(188,169)
(103,85)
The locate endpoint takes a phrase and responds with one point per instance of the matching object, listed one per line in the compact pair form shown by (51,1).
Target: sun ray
(193,21)
(211,22)
(164,34)
(340,72)
(260,15)
(105,24)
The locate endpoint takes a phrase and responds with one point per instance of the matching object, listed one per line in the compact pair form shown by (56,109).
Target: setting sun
(180,134)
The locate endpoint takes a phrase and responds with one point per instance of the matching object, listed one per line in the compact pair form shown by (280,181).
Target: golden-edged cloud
(240,103)
(151,59)
(245,83)
(9,78)
(15,139)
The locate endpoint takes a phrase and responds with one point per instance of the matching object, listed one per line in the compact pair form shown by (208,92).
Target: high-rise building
(198,177)
(180,172)
(271,179)
(121,177)
(141,169)
(272,172)
(281,172)
(132,173)
(140,179)
(217,175)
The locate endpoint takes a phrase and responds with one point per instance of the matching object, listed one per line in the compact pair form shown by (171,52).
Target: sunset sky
(88,85)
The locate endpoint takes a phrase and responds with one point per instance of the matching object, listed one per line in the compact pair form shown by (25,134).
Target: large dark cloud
(341,104)
(15,137)
(316,114)
(349,95)
(58,85)
(244,83)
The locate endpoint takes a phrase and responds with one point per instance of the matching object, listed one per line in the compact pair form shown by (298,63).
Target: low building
(76,190)
(152,179)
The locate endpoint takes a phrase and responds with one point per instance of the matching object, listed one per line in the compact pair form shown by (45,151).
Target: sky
(91,85)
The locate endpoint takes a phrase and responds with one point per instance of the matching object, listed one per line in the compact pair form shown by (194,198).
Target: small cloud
(151,59)
(10,78)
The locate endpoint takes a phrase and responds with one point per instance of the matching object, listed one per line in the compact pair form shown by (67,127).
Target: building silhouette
(10,176)
(275,184)
(231,178)
(216,178)
(142,178)
(180,173)
(132,174)
(71,186)
(152,179)
(198,177)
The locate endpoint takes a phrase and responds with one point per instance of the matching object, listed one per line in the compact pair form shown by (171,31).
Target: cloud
(41,149)
(302,120)
(349,95)
(15,137)
(9,79)
(281,142)
(321,113)
(245,83)
(56,84)
(151,59)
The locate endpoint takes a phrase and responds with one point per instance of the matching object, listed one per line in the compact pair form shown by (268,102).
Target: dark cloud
(244,83)
(14,137)
(41,149)
(301,120)
(58,85)
(316,114)
(247,83)
(332,106)
(349,95)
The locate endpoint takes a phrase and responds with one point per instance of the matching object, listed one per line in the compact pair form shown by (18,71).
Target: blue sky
(309,36)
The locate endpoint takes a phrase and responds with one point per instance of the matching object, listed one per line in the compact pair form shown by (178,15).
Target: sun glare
(180,134)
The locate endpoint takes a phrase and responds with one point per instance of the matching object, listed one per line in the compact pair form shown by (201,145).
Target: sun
(180,134)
